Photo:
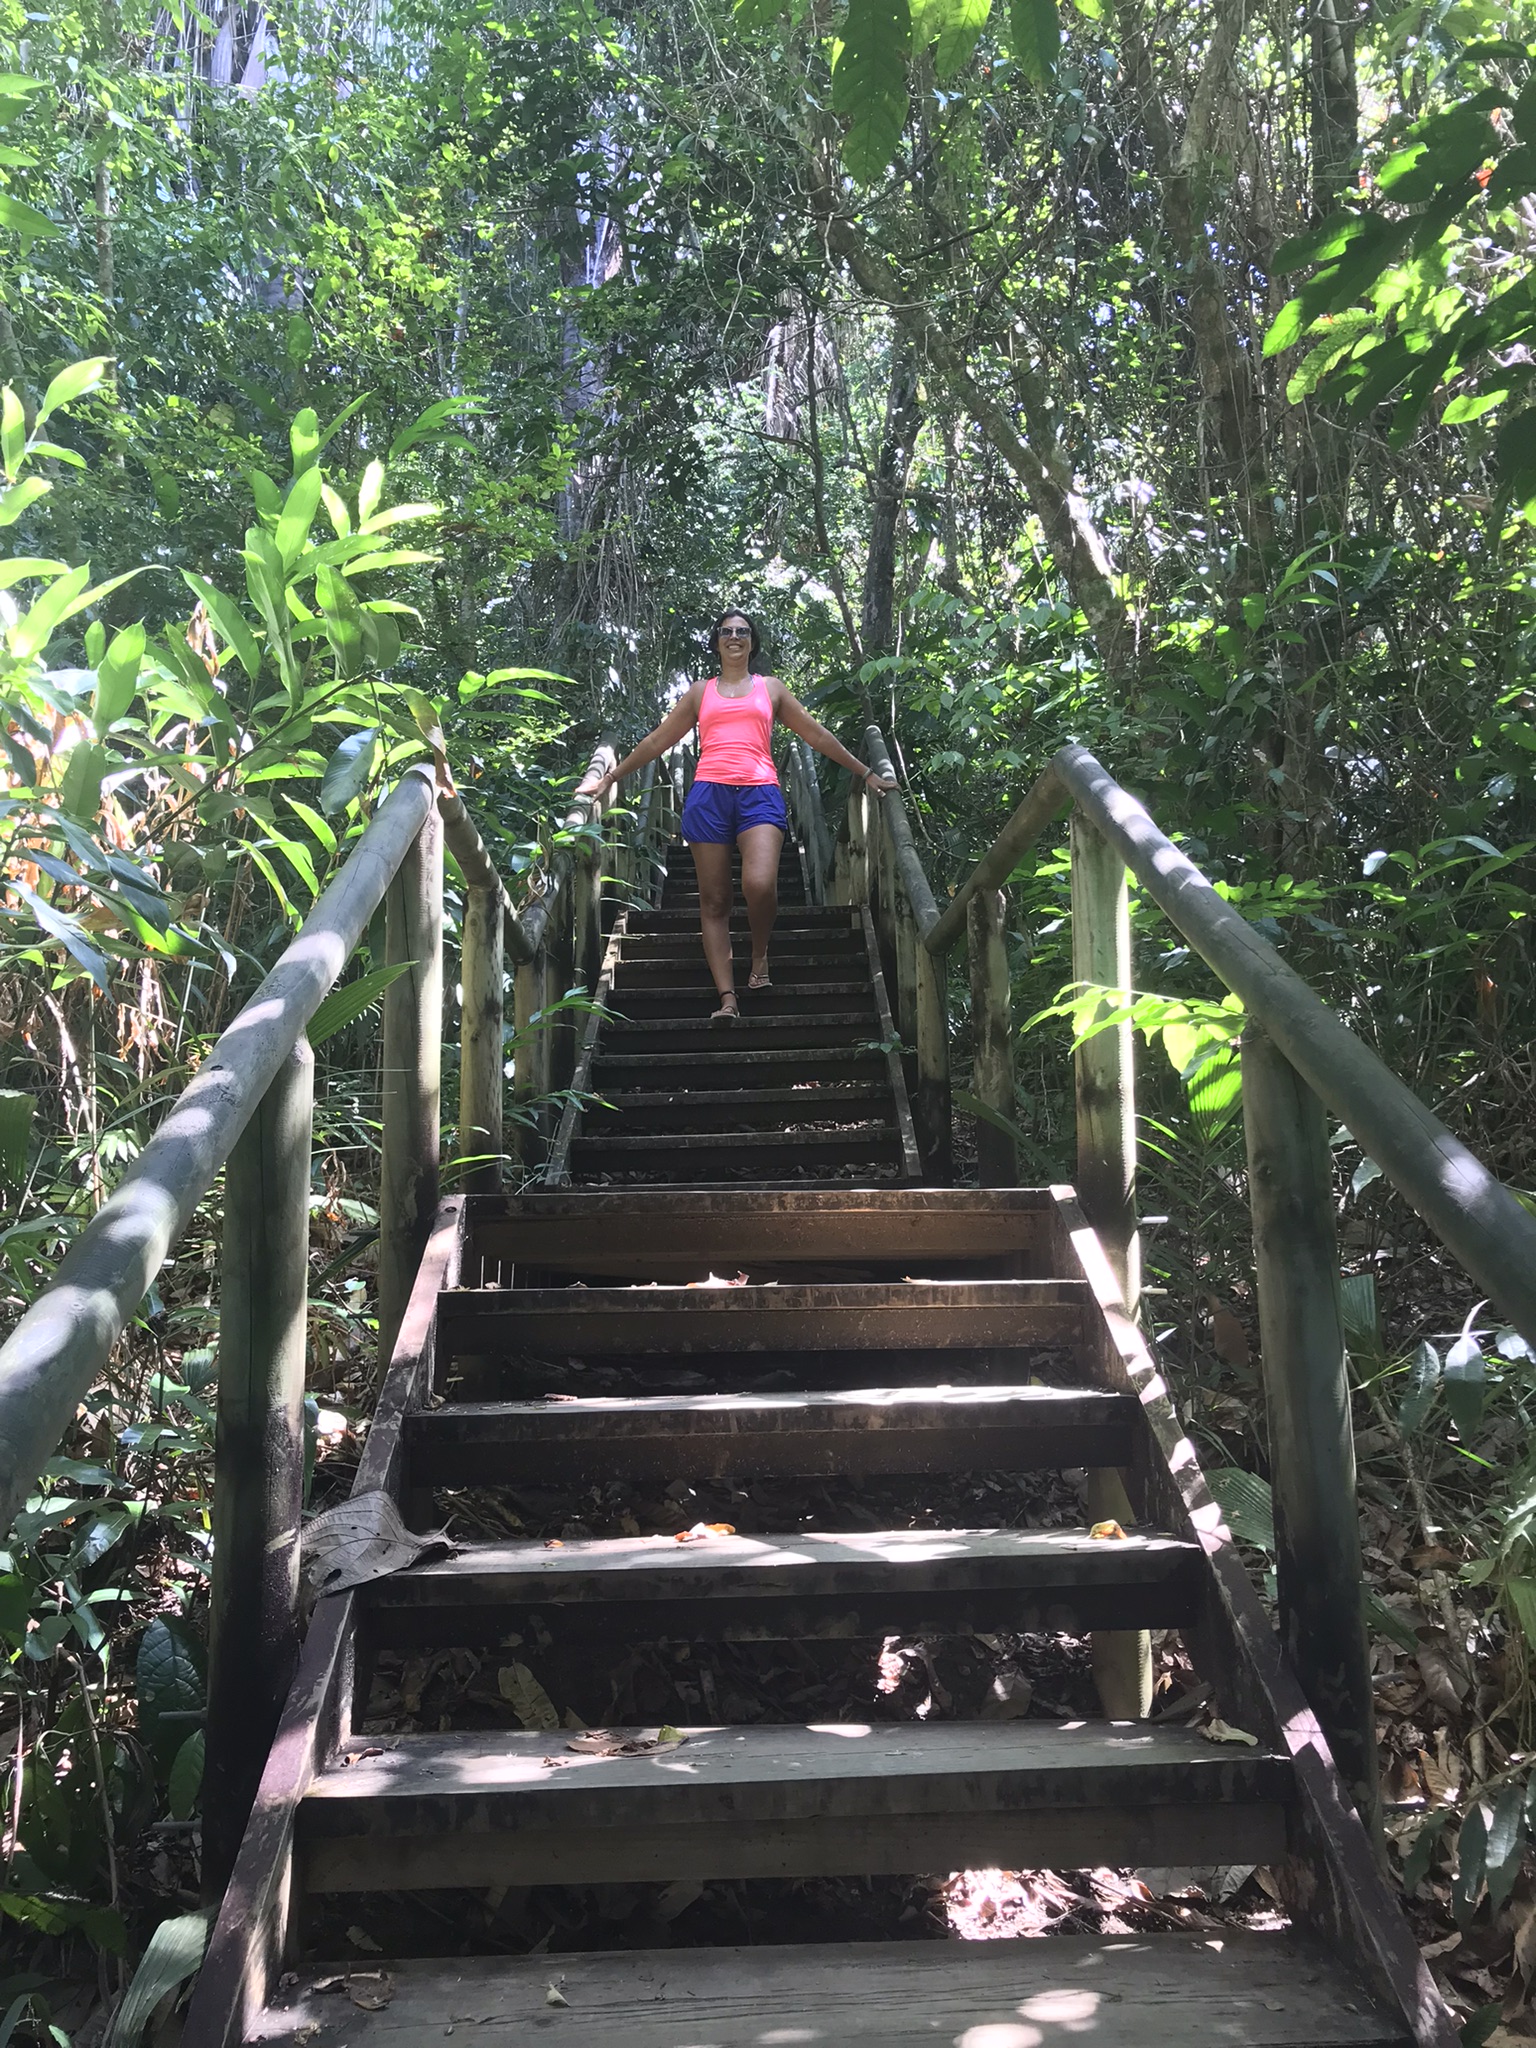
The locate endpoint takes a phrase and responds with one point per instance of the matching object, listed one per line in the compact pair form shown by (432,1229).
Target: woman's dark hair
(734,611)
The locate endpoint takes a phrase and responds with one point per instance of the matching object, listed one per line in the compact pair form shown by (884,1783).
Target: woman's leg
(760,846)
(713,867)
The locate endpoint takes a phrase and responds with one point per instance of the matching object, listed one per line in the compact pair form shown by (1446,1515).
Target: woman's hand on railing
(596,792)
(882,785)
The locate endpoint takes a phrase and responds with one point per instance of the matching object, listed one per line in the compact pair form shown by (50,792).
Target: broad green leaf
(1471,1864)
(344,1004)
(1035,32)
(304,440)
(26,221)
(13,430)
(1521,1595)
(186,1779)
(349,769)
(1357,1306)
(117,677)
(1416,1863)
(73,383)
(67,932)
(953,27)
(869,83)
(336,511)
(315,822)
(229,622)
(298,515)
(343,620)
(15,1605)
(369,491)
(1247,1505)
(381,638)
(34,629)
(168,1676)
(1465,1384)
(16,500)
(21,568)
(80,790)
(1423,1378)
(1506,1844)
(175,1952)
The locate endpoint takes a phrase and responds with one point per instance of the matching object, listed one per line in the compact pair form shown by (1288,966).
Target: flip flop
(759,980)
(727,1016)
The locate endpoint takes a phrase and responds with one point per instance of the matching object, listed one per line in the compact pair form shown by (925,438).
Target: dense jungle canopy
(1155,377)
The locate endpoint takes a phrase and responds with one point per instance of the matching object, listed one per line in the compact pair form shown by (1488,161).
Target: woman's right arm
(680,719)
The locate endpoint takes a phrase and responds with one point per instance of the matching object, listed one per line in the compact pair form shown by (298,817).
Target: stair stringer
(251,1933)
(1331,1880)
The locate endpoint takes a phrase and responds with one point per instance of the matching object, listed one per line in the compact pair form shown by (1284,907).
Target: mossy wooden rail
(1299,1060)
(251,1105)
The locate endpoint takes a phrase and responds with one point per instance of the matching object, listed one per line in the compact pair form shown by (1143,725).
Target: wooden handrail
(1474,1215)
(1047,800)
(50,1359)
(908,864)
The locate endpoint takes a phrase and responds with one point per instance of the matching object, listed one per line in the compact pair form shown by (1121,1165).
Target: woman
(736,798)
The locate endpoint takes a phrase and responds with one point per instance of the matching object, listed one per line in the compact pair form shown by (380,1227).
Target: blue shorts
(717,811)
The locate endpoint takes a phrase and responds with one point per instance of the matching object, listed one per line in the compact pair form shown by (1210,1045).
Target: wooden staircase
(807,1086)
(567,1337)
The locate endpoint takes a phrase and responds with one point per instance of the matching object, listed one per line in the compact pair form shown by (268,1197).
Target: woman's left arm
(794,714)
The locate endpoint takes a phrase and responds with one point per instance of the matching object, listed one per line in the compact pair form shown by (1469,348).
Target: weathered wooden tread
(785,1588)
(428,1810)
(865,1135)
(725,1104)
(1238,1990)
(689,1436)
(781,999)
(879,1315)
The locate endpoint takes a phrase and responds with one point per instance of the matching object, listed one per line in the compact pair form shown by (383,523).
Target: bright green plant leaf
(15,501)
(345,1004)
(1465,1382)
(80,791)
(26,221)
(953,27)
(117,677)
(304,440)
(168,1676)
(229,622)
(67,932)
(298,515)
(72,383)
(349,769)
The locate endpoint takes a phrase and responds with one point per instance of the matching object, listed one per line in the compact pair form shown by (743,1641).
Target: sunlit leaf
(349,769)
(869,83)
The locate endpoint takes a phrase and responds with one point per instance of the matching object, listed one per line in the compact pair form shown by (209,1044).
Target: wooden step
(398,1813)
(724,1109)
(800,917)
(727,1063)
(616,1322)
(717,1155)
(686,1234)
(1235,1990)
(684,1001)
(735,1588)
(691,972)
(827,1030)
(865,1430)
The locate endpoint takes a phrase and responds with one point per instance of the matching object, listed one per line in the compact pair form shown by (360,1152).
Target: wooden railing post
(530,1073)
(930,1098)
(1106,1186)
(258,1488)
(482,1058)
(997,1160)
(1104,1066)
(1311,1434)
(858,848)
(907,950)
(413,1064)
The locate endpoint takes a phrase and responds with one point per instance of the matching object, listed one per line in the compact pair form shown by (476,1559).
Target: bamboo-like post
(930,1098)
(907,950)
(482,979)
(530,1075)
(1311,1434)
(413,1062)
(1106,1185)
(858,847)
(587,915)
(258,1488)
(1104,1066)
(839,889)
(997,1161)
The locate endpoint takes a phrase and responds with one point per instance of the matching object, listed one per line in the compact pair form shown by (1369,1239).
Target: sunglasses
(735,633)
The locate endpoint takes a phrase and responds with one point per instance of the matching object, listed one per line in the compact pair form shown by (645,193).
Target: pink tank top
(735,734)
